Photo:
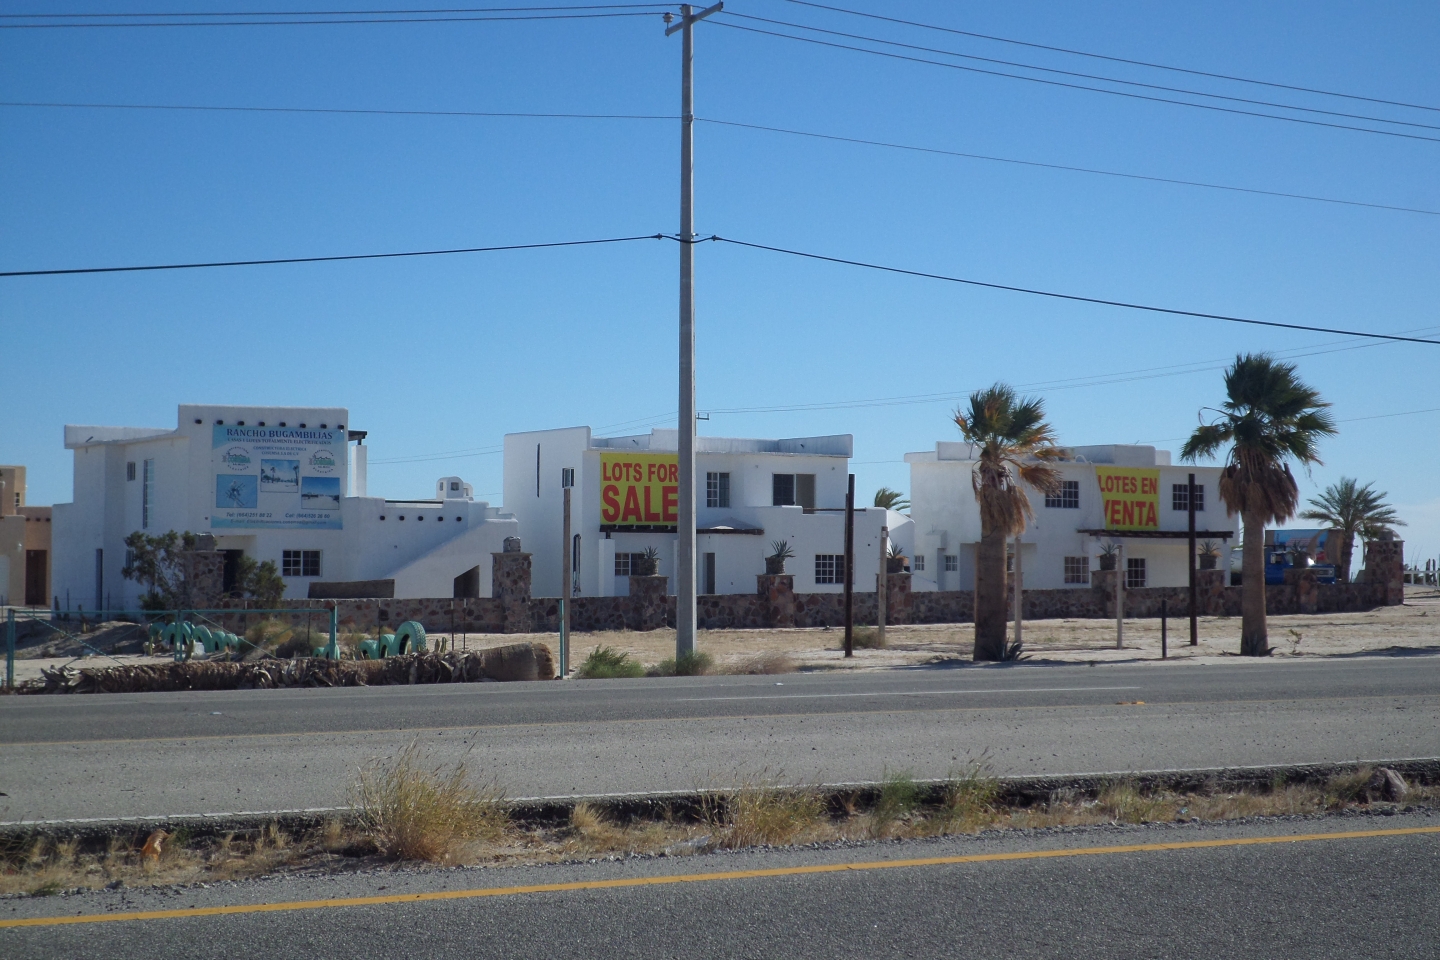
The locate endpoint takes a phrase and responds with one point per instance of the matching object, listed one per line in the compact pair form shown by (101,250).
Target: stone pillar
(777,592)
(649,602)
(897,598)
(510,584)
(1385,570)
(1301,580)
(204,572)
(1103,582)
(1210,588)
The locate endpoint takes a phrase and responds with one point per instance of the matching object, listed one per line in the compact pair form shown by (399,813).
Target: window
(622,564)
(782,490)
(300,563)
(717,490)
(709,573)
(952,562)
(567,477)
(147,490)
(917,562)
(130,470)
(805,490)
(829,568)
(1180,497)
(1010,560)
(1077,569)
(454,485)
(1134,572)
(1068,496)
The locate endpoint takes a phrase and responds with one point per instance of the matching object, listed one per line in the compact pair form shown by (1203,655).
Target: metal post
(1194,591)
(880,588)
(685,529)
(565,588)
(1164,649)
(850,569)
(332,651)
(1019,595)
(179,654)
(10,648)
(1120,595)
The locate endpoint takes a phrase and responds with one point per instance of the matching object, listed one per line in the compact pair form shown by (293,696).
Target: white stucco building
(274,483)
(1129,495)
(748,493)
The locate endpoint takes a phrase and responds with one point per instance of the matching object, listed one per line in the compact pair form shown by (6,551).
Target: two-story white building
(285,484)
(749,493)
(1127,495)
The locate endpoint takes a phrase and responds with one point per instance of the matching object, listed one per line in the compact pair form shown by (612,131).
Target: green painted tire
(410,637)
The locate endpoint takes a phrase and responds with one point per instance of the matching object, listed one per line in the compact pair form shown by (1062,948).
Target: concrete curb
(684,804)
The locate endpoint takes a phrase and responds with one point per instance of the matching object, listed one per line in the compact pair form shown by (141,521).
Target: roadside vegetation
(410,809)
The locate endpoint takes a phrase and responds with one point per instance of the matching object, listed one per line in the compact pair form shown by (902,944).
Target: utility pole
(1194,593)
(1019,596)
(567,566)
(685,530)
(881,587)
(850,569)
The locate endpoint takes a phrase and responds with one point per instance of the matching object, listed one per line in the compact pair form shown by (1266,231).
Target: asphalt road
(1292,894)
(236,751)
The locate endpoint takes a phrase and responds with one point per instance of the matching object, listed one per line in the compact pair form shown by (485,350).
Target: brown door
(36,589)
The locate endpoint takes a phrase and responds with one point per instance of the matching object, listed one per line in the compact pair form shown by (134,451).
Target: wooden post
(880,586)
(1120,595)
(1019,595)
(850,569)
(565,593)
(1164,650)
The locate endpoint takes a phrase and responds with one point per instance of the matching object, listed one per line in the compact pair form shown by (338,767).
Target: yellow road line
(700,878)
(594,723)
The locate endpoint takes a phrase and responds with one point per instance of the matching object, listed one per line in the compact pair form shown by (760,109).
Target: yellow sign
(639,489)
(1131,496)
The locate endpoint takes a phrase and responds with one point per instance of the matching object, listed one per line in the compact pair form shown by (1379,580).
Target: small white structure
(271,483)
(1129,495)
(748,494)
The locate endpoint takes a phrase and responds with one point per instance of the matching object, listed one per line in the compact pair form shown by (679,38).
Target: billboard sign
(276,478)
(639,489)
(1131,496)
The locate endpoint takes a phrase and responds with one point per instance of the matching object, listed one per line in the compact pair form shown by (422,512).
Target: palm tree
(1269,416)
(1352,510)
(891,499)
(1016,446)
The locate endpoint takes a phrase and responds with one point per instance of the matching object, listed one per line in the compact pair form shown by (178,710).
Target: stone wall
(776,604)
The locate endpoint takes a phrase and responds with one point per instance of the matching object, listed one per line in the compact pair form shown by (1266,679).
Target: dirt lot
(1413,628)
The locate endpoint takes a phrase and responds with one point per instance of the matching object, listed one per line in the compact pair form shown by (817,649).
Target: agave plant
(780,551)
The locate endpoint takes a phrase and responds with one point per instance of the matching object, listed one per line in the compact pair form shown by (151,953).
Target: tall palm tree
(1016,447)
(891,499)
(1352,510)
(1269,416)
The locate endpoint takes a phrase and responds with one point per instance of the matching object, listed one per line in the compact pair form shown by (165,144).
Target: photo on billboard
(320,493)
(236,492)
(280,476)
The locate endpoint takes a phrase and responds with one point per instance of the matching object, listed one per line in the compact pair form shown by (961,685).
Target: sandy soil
(1413,628)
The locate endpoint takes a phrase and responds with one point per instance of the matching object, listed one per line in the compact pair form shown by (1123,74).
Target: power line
(1075,297)
(1076,86)
(343,110)
(326,22)
(1058,166)
(353,256)
(726,123)
(1083,76)
(326,13)
(1113,59)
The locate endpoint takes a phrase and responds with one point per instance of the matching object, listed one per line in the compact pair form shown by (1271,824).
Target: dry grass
(763,664)
(867,638)
(415,811)
(762,814)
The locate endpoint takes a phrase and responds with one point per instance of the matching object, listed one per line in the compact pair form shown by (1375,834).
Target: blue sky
(443,355)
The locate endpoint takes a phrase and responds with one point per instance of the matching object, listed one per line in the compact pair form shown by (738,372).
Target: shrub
(899,796)
(413,811)
(764,663)
(693,664)
(866,638)
(766,815)
(607,663)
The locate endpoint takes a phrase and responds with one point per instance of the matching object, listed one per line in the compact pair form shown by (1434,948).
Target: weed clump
(764,814)
(866,638)
(607,663)
(696,663)
(763,664)
(898,799)
(413,811)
